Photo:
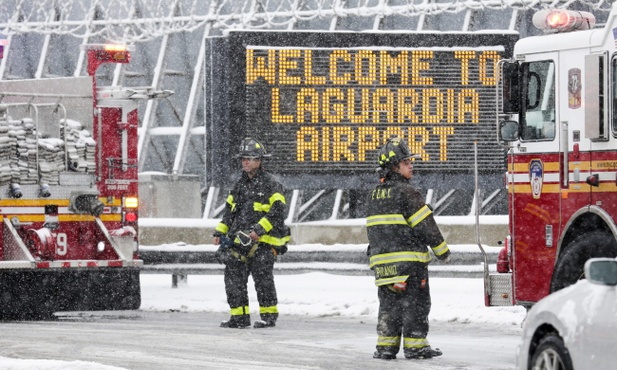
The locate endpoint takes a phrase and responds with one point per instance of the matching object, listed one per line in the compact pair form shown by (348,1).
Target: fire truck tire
(551,353)
(571,265)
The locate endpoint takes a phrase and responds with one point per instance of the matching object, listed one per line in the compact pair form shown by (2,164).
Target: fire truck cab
(557,114)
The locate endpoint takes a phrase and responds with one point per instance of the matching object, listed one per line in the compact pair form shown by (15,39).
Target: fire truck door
(536,170)
(602,160)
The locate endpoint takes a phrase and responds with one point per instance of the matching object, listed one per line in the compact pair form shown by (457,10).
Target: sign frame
(225,87)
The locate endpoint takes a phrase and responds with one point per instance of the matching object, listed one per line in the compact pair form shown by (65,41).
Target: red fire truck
(558,116)
(68,192)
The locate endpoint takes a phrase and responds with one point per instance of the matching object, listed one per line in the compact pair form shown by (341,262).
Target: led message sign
(340,105)
(328,109)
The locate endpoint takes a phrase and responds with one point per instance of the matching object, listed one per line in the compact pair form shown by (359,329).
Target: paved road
(173,340)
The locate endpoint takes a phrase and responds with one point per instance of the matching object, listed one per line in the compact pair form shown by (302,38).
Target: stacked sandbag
(51,160)
(7,149)
(80,145)
(26,158)
(90,150)
(26,152)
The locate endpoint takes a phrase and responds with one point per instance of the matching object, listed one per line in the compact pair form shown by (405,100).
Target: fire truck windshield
(538,114)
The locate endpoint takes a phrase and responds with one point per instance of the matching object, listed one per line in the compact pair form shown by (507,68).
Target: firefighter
(251,234)
(400,227)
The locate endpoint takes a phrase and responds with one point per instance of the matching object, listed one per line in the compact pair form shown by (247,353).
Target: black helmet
(394,151)
(251,148)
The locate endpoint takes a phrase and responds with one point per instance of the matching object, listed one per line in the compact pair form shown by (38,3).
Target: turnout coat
(400,228)
(256,204)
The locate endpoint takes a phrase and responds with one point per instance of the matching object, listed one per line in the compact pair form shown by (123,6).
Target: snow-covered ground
(324,294)
(311,294)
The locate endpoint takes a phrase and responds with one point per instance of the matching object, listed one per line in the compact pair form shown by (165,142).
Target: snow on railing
(134,21)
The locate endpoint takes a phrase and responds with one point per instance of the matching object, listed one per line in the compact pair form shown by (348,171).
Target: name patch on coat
(385,271)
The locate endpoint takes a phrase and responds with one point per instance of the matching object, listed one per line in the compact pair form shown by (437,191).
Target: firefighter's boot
(420,353)
(385,354)
(259,324)
(237,322)
(268,320)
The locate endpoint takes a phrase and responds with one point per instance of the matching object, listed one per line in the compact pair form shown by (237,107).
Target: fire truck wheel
(551,354)
(571,264)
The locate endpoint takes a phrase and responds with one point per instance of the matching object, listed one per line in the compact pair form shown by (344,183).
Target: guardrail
(181,260)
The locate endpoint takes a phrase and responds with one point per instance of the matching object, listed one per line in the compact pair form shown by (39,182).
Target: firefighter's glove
(446,260)
(398,287)
(221,255)
(281,250)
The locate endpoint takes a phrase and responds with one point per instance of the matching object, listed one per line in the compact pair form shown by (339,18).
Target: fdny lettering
(381,194)
(385,271)
(608,164)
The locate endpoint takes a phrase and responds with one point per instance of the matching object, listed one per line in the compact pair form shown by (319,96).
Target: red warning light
(106,53)
(130,217)
(557,20)
(562,20)
(117,52)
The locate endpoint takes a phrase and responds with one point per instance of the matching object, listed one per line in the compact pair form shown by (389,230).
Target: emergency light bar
(106,53)
(562,20)
(110,52)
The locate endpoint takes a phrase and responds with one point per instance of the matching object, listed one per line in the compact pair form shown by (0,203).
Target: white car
(576,327)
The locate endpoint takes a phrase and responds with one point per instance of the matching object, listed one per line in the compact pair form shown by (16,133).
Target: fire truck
(558,118)
(68,192)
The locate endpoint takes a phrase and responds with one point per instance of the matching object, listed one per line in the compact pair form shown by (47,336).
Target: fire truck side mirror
(508,131)
(511,91)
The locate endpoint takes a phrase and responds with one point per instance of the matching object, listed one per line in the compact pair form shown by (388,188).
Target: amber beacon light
(130,205)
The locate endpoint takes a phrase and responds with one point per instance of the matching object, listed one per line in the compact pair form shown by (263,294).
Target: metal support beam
(293,207)
(377,22)
(149,119)
(443,201)
(334,22)
(468,20)
(191,106)
(337,204)
(213,193)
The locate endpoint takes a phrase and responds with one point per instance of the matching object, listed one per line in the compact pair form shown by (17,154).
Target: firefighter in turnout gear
(400,228)
(251,234)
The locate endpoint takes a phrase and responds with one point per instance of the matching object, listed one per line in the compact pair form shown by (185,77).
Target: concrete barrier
(456,230)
